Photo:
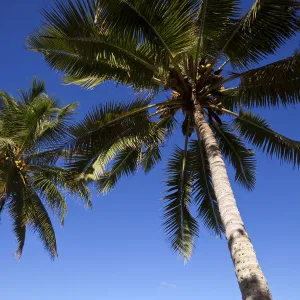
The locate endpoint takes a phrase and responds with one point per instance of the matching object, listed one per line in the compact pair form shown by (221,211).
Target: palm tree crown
(32,135)
(202,51)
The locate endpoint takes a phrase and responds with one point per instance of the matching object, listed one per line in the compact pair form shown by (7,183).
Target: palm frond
(203,191)
(257,131)
(166,25)
(40,222)
(125,163)
(214,17)
(161,131)
(106,130)
(50,193)
(272,85)
(52,131)
(6,100)
(95,58)
(65,179)
(180,226)
(17,211)
(266,27)
(241,158)
(36,89)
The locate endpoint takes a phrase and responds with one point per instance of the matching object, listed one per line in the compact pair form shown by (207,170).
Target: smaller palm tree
(32,134)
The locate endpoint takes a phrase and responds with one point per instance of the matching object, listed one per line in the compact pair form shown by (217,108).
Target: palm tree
(32,135)
(208,54)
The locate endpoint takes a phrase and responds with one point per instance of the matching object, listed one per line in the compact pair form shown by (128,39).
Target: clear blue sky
(118,251)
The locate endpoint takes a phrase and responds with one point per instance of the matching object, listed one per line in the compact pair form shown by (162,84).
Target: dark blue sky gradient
(118,251)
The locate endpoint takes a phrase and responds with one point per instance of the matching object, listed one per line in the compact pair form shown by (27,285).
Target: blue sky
(118,250)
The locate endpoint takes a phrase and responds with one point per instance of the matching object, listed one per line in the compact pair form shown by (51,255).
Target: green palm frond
(36,89)
(266,27)
(229,98)
(17,211)
(50,193)
(125,163)
(257,131)
(109,129)
(241,158)
(181,227)
(55,128)
(91,60)
(160,132)
(214,17)
(39,221)
(166,25)
(6,100)
(203,191)
(104,119)
(64,179)
(6,143)
(272,85)
(150,157)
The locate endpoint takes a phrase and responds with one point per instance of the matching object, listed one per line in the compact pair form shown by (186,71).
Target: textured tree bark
(252,282)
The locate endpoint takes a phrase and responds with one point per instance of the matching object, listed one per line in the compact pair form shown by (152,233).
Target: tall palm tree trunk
(252,282)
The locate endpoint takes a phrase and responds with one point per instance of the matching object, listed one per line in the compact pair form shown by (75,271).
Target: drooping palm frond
(125,163)
(51,194)
(257,131)
(63,179)
(17,211)
(39,220)
(241,158)
(266,27)
(203,191)
(181,227)
(272,85)
(91,60)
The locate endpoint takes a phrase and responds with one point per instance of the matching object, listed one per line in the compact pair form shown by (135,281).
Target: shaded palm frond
(39,220)
(272,85)
(180,226)
(214,17)
(257,131)
(266,27)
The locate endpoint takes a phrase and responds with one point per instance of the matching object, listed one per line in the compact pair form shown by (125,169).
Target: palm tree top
(33,131)
(206,53)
